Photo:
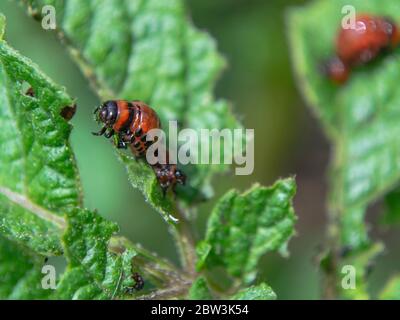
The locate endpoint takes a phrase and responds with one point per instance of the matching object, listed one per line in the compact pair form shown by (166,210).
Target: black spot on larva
(138,132)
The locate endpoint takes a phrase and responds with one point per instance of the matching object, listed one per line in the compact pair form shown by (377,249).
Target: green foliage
(259,292)
(199,290)
(93,273)
(38,177)
(360,118)
(362,261)
(391,214)
(149,50)
(39,184)
(145,50)
(392,289)
(243,227)
(37,173)
(141,176)
(20,272)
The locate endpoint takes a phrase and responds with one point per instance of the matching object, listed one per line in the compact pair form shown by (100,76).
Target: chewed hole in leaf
(27,89)
(68,112)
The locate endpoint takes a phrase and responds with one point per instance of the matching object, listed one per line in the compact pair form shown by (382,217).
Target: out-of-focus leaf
(243,227)
(200,290)
(362,261)
(361,117)
(391,290)
(258,292)
(391,214)
(148,50)
(38,176)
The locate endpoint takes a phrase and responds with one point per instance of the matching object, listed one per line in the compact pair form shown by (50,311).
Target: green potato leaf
(243,227)
(392,289)
(38,176)
(258,292)
(199,290)
(20,272)
(41,211)
(93,272)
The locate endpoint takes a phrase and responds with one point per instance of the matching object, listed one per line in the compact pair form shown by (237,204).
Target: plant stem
(185,241)
(333,236)
(330,275)
(171,292)
(175,283)
(159,269)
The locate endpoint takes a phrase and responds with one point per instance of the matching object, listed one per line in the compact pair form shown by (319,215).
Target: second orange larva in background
(360,45)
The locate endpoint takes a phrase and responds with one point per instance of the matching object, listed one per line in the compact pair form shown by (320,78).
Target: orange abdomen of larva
(145,118)
(364,42)
(134,115)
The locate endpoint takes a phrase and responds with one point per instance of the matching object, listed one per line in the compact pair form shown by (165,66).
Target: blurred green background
(258,81)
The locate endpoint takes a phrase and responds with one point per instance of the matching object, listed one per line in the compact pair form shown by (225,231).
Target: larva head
(107,113)
(335,70)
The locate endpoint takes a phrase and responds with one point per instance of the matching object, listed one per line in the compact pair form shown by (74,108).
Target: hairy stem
(159,269)
(172,292)
(172,281)
(330,271)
